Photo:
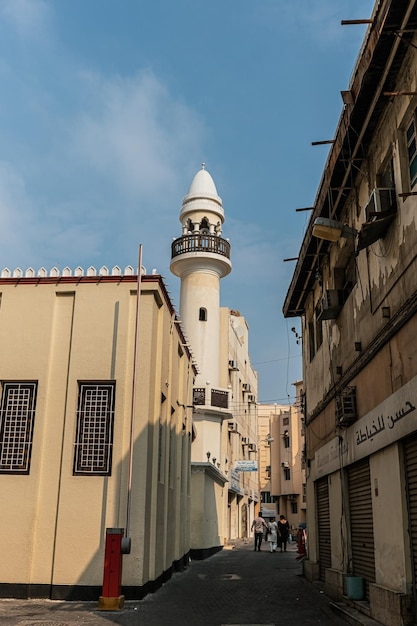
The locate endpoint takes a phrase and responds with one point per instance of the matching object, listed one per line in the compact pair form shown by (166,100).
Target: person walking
(272,536)
(283,530)
(258,525)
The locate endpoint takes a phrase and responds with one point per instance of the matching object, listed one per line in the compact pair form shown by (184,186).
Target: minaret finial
(203,166)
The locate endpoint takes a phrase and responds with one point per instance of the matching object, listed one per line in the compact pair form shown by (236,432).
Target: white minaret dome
(202,196)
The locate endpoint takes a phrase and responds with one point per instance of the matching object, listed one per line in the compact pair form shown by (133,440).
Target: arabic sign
(265,512)
(388,422)
(246,466)
(378,425)
(235,482)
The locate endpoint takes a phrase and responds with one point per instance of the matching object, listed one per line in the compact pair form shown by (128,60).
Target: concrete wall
(60,333)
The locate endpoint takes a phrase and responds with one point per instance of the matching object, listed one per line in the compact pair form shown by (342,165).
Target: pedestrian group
(276,533)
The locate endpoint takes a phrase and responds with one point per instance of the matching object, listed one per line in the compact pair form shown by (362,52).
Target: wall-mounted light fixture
(268,440)
(208,455)
(332,230)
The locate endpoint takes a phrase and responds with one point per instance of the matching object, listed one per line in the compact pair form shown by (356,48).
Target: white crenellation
(55,272)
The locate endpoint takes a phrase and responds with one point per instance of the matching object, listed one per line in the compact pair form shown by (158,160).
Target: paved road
(235,586)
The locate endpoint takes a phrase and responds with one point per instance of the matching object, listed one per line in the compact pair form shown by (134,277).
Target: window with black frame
(94,433)
(17,418)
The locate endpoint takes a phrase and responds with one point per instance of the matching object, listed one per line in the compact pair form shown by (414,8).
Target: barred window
(411,135)
(94,435)
(17,416)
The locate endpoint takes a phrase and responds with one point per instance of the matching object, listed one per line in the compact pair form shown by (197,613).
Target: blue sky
(109,107)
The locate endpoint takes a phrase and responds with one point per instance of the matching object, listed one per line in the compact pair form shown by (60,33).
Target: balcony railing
(218,398)
(200,243)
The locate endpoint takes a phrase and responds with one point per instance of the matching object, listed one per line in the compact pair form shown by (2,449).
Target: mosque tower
(201,257)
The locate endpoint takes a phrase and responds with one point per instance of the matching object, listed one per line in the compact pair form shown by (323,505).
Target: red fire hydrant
(111,598)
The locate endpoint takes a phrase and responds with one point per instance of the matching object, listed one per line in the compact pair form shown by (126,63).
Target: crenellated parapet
(79,271)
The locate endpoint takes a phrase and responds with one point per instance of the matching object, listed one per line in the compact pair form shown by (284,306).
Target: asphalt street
(234,586)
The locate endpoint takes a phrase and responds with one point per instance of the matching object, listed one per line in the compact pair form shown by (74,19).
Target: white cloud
(135,132)
(30,18)
(14,208)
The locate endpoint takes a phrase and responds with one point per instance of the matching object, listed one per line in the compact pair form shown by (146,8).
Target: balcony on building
(210,397)
(200,242)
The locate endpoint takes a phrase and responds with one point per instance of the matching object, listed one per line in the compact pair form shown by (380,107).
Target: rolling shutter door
(361,522)
(323,530)
(410,451)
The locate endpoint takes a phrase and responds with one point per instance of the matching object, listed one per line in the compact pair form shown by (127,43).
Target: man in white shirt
(258,525)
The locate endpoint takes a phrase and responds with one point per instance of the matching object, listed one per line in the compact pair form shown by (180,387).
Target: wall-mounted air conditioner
(252,447)
(232,427)
(381,200)
(285,464)
(346,411)
(251,397)
(331,304)
(233,366)
(246,387)
(244,441)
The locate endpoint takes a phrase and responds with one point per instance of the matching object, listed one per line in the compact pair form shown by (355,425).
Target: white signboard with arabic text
(391,420)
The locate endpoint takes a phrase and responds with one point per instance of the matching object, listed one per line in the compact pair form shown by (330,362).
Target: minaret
(201,257)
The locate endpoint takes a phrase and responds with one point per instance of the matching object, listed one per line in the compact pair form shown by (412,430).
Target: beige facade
(91,438)
(356,294)
(282,471)
(239,434)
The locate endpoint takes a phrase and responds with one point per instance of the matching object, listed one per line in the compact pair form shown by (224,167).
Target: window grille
(94,436)
(17,416)
(412,152)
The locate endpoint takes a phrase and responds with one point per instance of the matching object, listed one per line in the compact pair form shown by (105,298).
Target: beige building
(355,288)
(95,431)
(240,431)
(282,460)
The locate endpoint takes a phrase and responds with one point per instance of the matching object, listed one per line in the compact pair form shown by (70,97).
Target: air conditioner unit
(285,464)
(244,441)
(346,412)
(232,427)
(381,200)
(246,387)
(331,304)
(252,447)
(251,398)
(233,366)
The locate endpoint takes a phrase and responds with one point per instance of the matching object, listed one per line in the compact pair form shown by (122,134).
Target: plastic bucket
(355,587)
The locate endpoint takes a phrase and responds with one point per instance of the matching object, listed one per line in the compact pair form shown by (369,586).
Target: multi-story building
(95,431)
(225,388)
(269,501)
(240,436)
(355,287)
(282,460)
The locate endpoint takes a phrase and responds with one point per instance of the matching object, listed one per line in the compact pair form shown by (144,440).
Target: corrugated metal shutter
(361,521)
(410,452)
(323,521)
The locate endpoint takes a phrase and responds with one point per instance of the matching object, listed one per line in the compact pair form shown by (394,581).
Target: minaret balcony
(199,242)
